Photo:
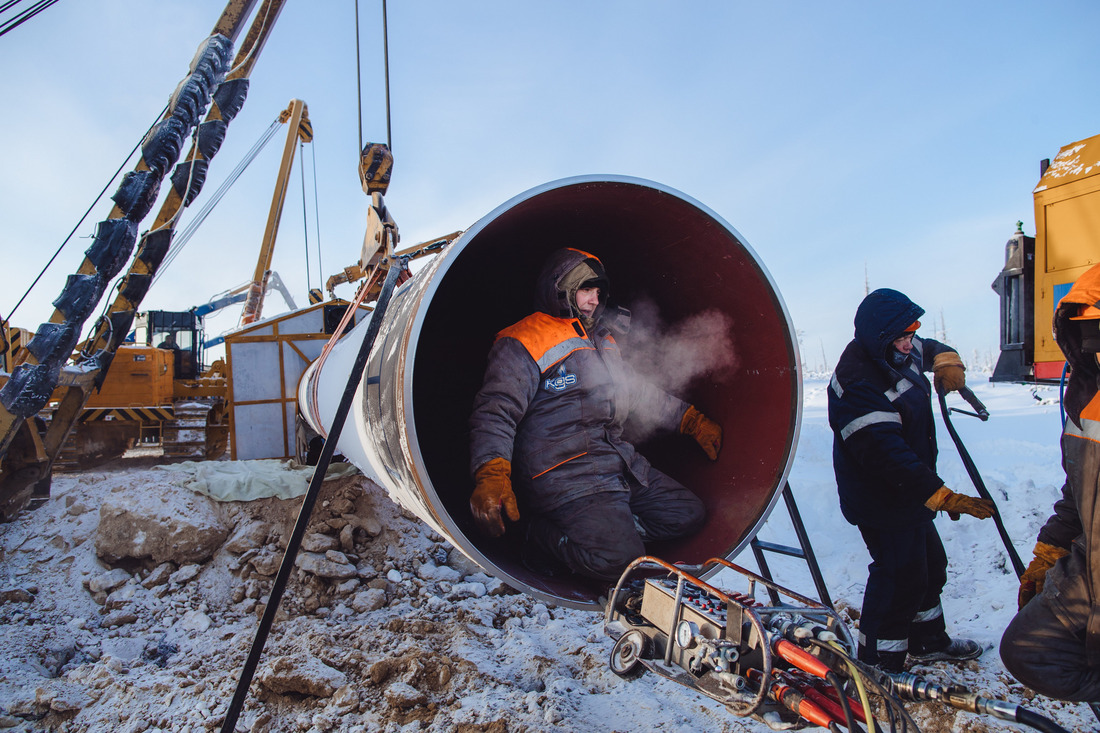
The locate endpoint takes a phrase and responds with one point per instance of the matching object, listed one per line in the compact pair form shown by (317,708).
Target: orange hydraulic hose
(795,701)
(801,658)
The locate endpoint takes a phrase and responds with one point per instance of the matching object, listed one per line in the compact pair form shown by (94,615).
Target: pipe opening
(666,255)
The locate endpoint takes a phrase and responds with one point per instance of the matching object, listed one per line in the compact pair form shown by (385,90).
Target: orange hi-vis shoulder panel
(1090,422)
(547,339)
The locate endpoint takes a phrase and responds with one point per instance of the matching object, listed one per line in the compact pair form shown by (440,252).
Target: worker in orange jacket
(550,418)
(1053,643)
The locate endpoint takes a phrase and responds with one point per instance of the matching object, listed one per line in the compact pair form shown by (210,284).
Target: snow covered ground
(419,640)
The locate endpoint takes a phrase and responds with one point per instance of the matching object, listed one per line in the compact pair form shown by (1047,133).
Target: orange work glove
(492,491)
(1031,582)
(707,433)
(948,372)
(954,504)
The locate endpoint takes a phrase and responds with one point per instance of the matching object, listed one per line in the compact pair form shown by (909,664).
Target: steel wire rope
(358,80)
(95,202)
(317,215)
(358,74)
(305,215)
(181,239)
(386,61)
(24,16)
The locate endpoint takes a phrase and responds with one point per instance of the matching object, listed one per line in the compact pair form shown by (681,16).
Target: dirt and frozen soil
(129,602)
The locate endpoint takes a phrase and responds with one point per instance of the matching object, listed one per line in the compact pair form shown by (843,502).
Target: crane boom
(298,128)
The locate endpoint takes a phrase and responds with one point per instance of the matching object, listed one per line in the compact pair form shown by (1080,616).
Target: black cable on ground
(894,708)
(849,720)
(314,490)
(1038,722)
(893,704)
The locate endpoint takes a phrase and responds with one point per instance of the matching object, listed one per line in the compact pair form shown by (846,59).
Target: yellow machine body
(1067,239)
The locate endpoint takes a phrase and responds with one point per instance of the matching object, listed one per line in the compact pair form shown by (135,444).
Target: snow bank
(415,638)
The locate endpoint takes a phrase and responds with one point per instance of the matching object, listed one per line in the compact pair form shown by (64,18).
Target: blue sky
(851,143)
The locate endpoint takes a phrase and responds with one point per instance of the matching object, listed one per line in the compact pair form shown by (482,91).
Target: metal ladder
(804,551)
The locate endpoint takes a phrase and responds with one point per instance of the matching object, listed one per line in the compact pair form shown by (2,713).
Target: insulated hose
(1036,721)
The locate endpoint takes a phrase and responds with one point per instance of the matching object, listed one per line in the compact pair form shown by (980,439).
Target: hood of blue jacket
(882,317)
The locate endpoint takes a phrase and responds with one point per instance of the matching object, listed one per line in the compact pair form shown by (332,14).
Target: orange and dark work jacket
(554,402)
(1072,587)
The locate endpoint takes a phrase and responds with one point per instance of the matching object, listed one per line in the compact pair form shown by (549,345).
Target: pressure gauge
(686,633)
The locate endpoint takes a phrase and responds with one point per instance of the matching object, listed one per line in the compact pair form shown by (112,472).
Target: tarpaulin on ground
(248,480)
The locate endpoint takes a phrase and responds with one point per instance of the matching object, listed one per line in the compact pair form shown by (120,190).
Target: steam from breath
(675,356)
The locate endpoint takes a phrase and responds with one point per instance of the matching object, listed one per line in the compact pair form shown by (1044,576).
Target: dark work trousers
(1046,650)
(599,535)
(901,605)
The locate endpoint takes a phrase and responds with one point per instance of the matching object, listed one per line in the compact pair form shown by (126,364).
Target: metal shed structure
(265,360)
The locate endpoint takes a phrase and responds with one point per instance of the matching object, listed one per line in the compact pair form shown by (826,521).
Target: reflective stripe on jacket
(884,444)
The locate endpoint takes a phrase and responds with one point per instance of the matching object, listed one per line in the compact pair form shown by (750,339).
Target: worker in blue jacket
(884,457)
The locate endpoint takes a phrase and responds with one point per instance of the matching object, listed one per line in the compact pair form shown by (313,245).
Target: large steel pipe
(662,250)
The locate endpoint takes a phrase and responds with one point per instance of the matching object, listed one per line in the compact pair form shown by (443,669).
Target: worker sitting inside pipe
(550,416)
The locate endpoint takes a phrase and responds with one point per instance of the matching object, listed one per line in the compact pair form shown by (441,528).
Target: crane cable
(317,213)
(23,16)
(386,61)
(305,215)
(359,78)
(181,239)
(94,203)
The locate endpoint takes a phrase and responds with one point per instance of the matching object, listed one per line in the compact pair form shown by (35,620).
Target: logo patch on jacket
(563,381)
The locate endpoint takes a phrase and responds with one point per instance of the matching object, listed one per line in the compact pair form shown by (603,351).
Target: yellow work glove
(707,433)
(1031,582)
(492,491)
(955,504)
(948,372)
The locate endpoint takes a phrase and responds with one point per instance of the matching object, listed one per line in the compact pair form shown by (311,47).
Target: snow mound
(384,627)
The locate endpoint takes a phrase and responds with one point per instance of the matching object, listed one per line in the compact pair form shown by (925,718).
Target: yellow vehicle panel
(140,376)
(1067,237)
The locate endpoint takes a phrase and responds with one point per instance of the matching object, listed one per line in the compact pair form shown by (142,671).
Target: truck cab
(179,332)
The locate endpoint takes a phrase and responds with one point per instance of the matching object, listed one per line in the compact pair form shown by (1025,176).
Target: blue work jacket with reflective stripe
(884,434)
(555,401)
